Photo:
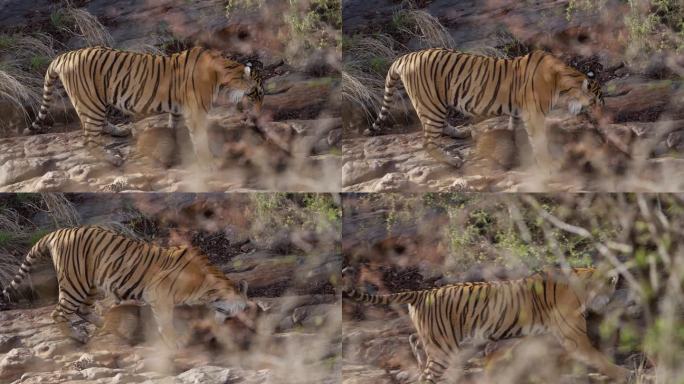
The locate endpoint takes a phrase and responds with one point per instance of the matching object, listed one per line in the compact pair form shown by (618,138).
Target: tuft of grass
(61,210)
(89,28)
(19,89)
(234,5)
(39,63)
(6,41)
(58,19)
(367,60)
(426,28)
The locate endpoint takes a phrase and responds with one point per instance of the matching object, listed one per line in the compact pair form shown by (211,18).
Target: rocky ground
(635,147)
(294,345)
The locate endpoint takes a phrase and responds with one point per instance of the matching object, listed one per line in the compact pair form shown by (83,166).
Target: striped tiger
(546,303)
(525,88)
(184,84)
(93,259)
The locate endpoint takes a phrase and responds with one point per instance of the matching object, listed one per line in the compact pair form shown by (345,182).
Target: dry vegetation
(25,55)
(399,243)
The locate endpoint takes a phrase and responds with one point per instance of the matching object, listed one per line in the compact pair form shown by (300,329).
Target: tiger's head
(579,91)
(597,286)
(242,80)
(227,298)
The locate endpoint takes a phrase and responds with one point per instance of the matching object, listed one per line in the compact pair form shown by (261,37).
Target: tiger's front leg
(199,135)
(163,315)
(535,126)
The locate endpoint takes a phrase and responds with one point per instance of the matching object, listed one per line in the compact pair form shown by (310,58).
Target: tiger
(546,303)
(184,84)
(90,260)
(525,88)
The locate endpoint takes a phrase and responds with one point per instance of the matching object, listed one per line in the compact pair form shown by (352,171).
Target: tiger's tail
(394,298)
(51,76)
(36,253)
(390,86)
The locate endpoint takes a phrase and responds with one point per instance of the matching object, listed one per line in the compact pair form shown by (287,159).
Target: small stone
(94,373)
(207,374)
(85,361)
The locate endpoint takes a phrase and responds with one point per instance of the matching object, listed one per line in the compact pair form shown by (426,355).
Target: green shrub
(39,63)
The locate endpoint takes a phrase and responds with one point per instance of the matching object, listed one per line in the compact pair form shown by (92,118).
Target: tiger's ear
(242,285)
(591,75)
(585,85)
(248,70)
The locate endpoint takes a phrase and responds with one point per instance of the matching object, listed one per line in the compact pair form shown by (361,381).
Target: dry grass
(424,27)
(367,59)
(16,89)
(62,211)
(86,26)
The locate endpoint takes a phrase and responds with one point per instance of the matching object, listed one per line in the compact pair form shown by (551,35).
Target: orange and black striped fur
(184,85)
(525,88)
(93,259)
(450,317)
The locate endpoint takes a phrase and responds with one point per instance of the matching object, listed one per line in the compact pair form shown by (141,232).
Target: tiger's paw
(31,131)
(116,131)
(79,333)
(114,158)
(457,132)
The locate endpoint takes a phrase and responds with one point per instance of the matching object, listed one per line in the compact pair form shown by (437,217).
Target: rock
(354,172)
(16,170)
(51,181)
(94,373)
(207,374)
(360,374)
(8,342)
(316,316)
(85,361)
(17,361)
(48,349)
(393,182)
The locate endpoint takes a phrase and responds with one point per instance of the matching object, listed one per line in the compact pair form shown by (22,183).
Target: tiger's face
(580,92)
(599,287)
(243,80)
(256,93)
(227,299)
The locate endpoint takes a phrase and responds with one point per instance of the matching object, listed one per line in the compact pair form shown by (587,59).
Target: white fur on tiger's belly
(575,107)
(236,95)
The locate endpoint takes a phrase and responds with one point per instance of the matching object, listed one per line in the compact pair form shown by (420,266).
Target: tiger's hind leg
(94,126)
(66,318)
(432,129)
(85,311)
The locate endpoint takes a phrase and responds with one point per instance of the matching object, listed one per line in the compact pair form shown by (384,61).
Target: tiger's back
(525,88)
(184,84)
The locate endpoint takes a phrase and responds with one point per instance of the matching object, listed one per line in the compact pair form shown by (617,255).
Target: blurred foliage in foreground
(452,237)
